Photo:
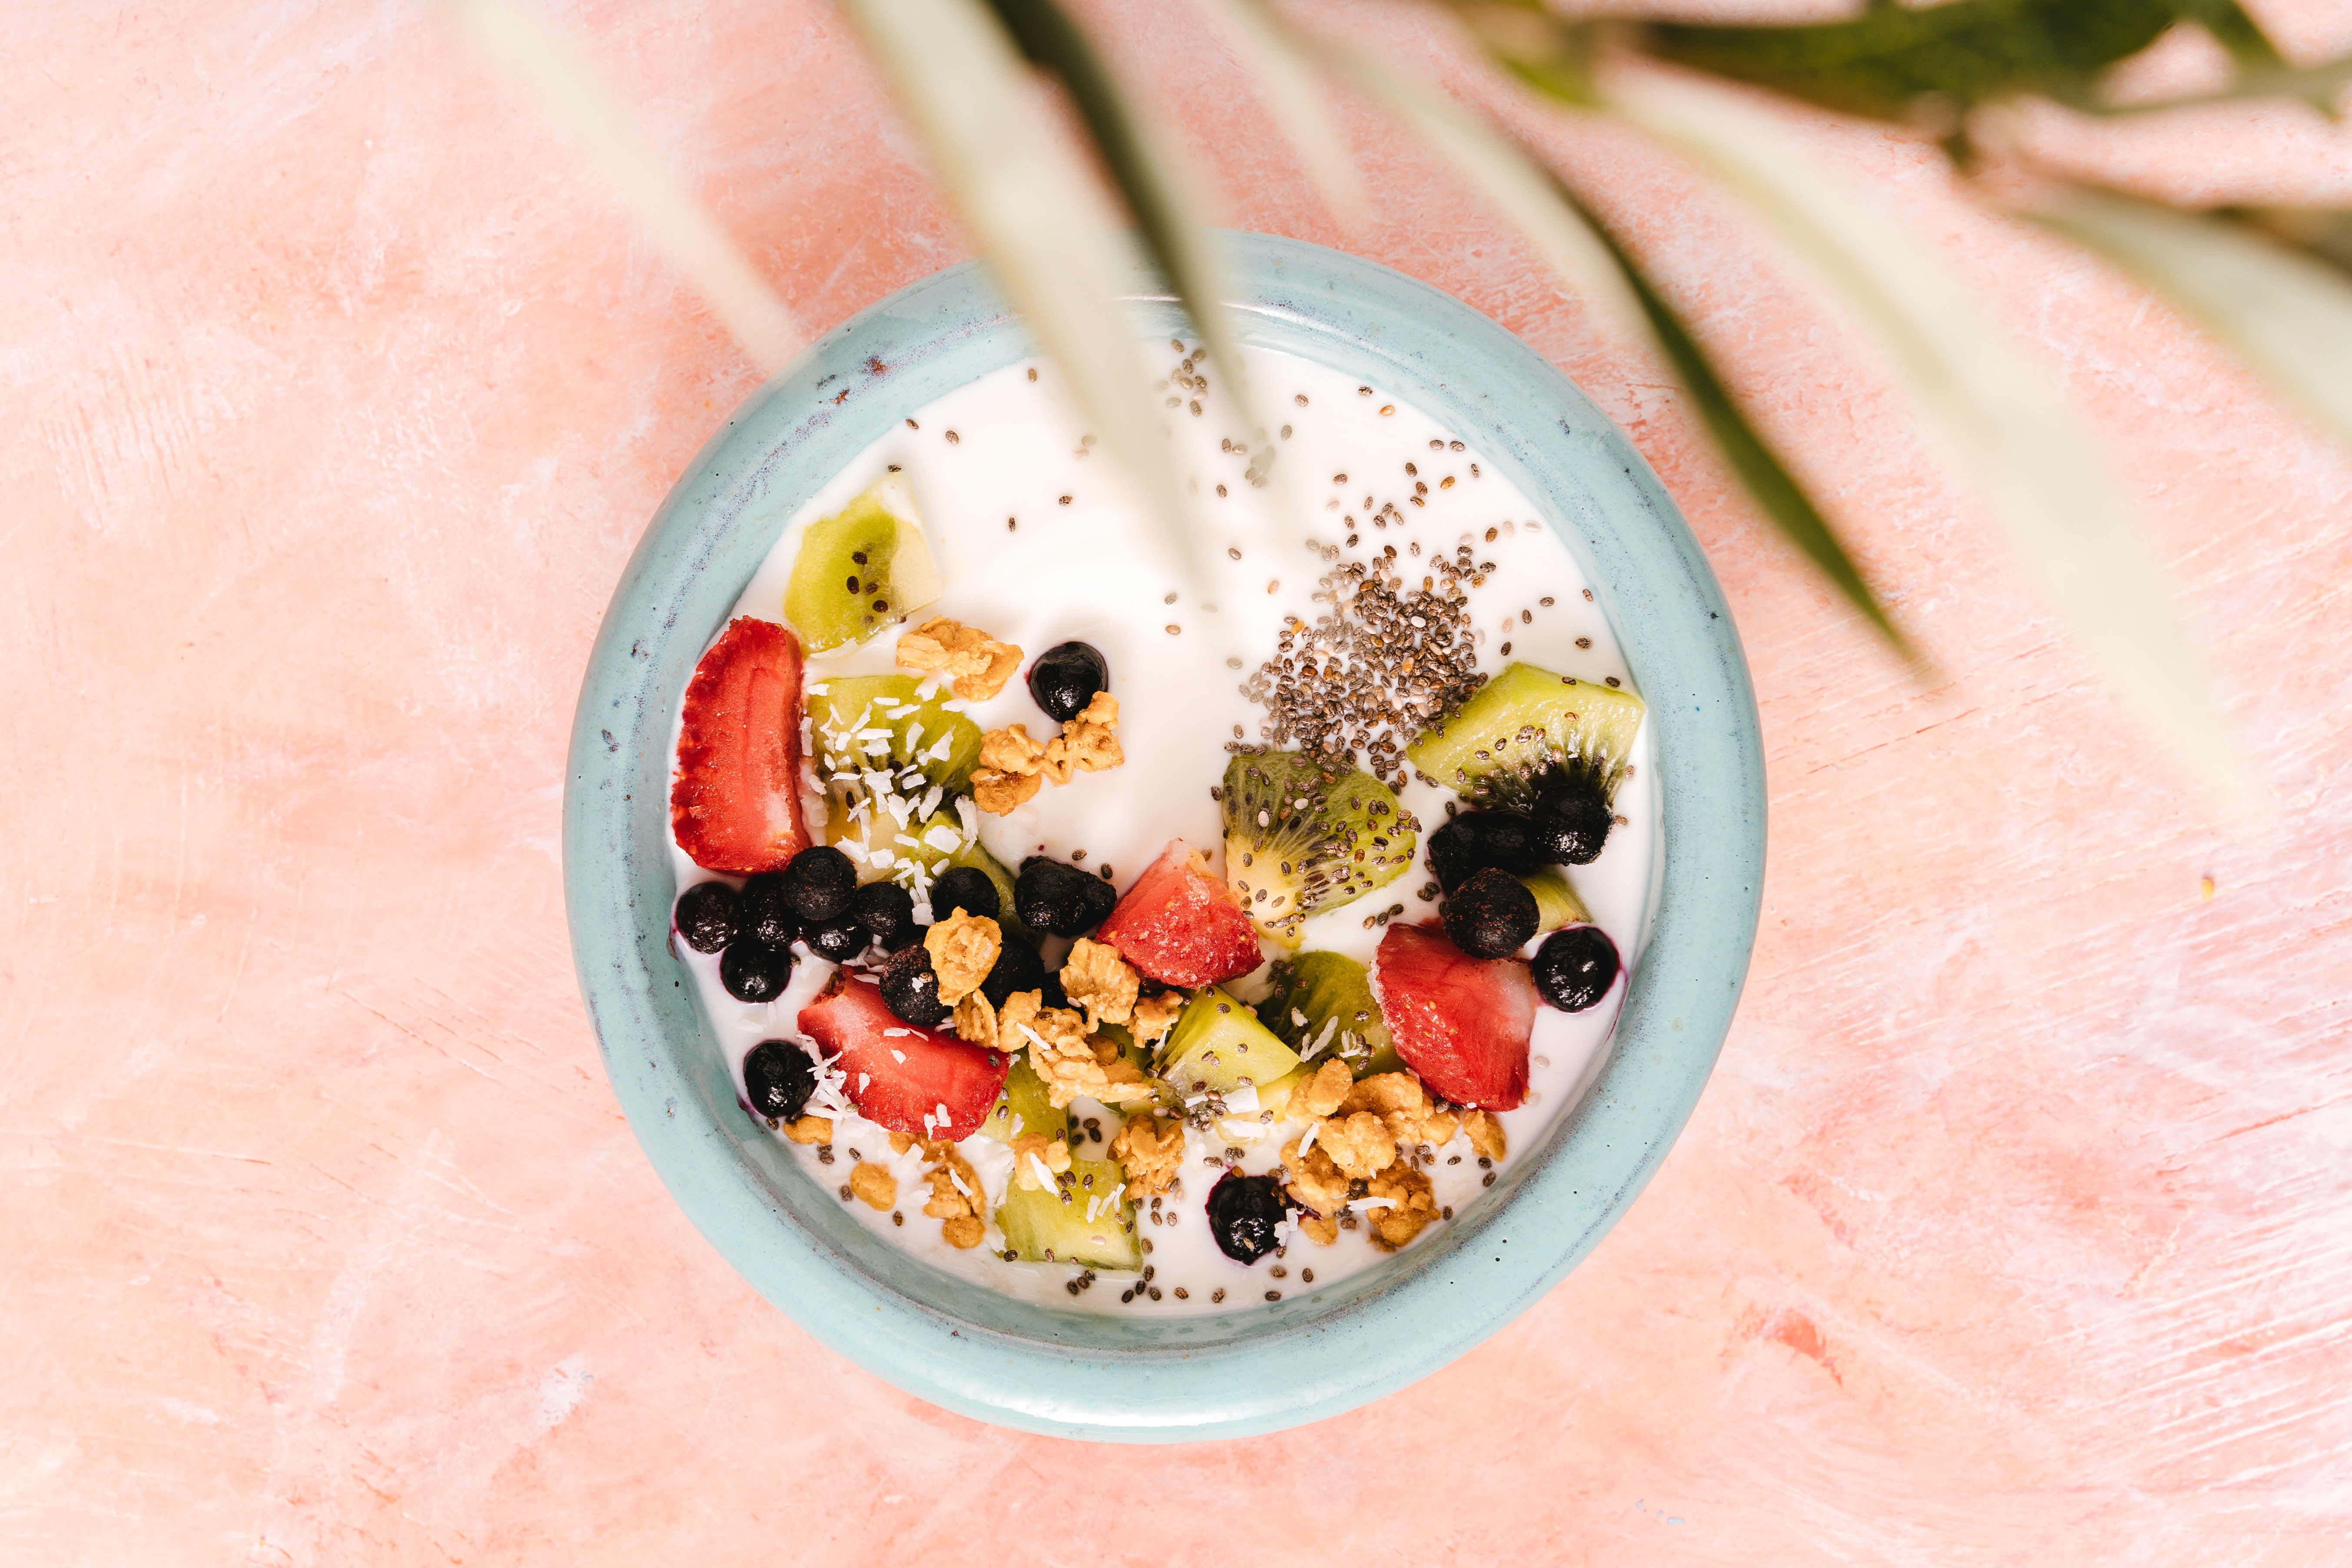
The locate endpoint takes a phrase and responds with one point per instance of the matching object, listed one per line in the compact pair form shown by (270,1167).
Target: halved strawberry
(1462,1023)
(736,805)
(1182,926)
(905,1078)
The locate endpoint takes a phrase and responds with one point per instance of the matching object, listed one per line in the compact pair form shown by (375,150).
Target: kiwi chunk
(1557,904)
(1217,1042)
(1025,1108)
(1302,837)
(1050,1224)
(1322,1005)
(1526,730)
(861,568)
(863,723)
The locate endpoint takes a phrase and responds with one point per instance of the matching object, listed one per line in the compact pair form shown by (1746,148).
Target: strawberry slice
(736,805)
(1182,926)
(905,1078)
(1462,1023)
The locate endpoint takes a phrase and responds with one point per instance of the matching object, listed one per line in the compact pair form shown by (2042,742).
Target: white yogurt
(1026,565)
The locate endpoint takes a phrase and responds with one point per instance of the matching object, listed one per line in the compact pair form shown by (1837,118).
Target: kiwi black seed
(1490,915)
(1302,835)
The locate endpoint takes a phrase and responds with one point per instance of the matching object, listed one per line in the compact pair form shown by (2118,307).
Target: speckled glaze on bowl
(1321,1350)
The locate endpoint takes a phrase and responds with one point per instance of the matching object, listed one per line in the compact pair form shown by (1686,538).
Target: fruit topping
(818,883)
(1490,915)
(1245,1216)
(706,916)
(838,940)
(1301,836)
(1018,968)
(753,971)
(1061,900)
(1462,1023)
(1026,1110)
(1571,821)
(910,988)
(903,1076)
(1066,678)
(779,1078)
(1180,925)
(1529,731)
(1322,1008)
(1083,1217)
(886,911)
(964,889)
(1574,968)
(762,915)
(1557,904)
(861,568)
(1476,840)
(977,664)
(861,723)
(1218,1045)
(736,803)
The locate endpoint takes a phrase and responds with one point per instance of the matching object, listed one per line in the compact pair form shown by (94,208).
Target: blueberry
(779,1078)
(888,912)
(706,916)
(762,915)
(910,988)
(1066,678)
(1575,967)
(840,939)
(819,882)
(964,887)
(1571,823)
(1051,896)
(1018,968)
(754,972)
(1490,915)
(1476,840)
(1244,1212)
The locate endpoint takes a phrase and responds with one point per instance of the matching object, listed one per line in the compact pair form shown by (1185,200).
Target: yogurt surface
(1040,541)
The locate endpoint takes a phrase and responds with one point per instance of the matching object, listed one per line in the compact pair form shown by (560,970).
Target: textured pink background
(2013,1227)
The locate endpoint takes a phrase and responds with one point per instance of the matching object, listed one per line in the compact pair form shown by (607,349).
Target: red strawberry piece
(1182,926)
(1462,1023)
(736,805)
(905,1078)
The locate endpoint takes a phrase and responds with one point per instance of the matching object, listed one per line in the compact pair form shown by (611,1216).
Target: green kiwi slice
(1557,904)
(1218,1043)
(1050,1224)
(860,570)
(1528,729)
(1322,1007)
(1302,837)
(860,722)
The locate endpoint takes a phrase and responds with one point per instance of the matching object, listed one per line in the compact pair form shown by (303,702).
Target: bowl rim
(1266,1367)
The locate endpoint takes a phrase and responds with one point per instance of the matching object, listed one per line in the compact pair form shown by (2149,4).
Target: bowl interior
(1326,1349)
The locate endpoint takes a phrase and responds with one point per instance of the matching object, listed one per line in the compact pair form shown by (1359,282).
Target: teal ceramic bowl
(1319,1351)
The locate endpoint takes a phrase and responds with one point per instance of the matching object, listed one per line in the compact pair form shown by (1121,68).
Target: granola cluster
(963,949)
(1359,1150)
(1061,1052)
(1097,979)
(956,1197)
(1152,1152)
(976,664)
(1013,764)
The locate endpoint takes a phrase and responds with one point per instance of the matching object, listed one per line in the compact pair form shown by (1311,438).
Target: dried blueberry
(1017,968)
(1490,915)
(706,916)
(1066,678)
(1572,822)
(910,988)
(1575,967)
(754,972)
(840,939)
(762,915)
(1476,840)
(1051,896)
(886,911)
(779,1078)
(964,887)
(1245,1216)
(819,882)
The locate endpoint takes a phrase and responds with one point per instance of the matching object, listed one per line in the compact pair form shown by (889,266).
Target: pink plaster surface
(2013,1227)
